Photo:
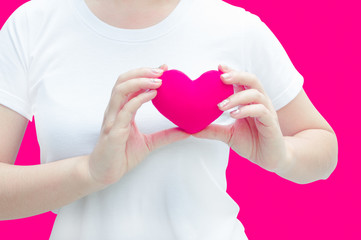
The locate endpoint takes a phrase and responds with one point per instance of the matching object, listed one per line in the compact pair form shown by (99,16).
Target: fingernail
(223,103)
(156,80)
(149,91)
(224,67)
(235,111)
(157,70)
(226,76)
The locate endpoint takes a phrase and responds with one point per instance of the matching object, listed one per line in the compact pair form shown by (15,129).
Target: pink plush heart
(191,104)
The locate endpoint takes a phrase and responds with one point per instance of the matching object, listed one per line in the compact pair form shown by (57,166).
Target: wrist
(91,185)
(286,162)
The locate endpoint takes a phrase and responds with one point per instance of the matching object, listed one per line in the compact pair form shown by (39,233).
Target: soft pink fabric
(191,104)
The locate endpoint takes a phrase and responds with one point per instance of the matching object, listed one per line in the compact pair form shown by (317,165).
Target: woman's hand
(256,133)
(121,146)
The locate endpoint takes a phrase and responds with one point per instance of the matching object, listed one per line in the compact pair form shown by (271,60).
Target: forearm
(30,190)
(312,155)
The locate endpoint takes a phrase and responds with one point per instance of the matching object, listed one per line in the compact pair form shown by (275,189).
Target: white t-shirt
(59,63)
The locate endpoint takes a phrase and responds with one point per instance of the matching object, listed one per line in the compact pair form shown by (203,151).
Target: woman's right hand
(121,146)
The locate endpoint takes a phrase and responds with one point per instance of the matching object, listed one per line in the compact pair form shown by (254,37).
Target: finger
(117,107)
(145,72)
(245,97)
(165,137)
(132,95)
(258,111)
(224,68)
(163,66)
(120,92)
(216,131)
(242,78)
(125,115)
(134,87)
(139,73)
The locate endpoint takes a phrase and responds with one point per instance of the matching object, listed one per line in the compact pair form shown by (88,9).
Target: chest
(131,16)
(74,78)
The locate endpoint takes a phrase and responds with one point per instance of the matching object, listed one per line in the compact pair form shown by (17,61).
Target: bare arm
(295,142)
(310,141)
(31,190)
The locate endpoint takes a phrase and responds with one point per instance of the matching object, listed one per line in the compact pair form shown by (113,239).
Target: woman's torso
(177,192)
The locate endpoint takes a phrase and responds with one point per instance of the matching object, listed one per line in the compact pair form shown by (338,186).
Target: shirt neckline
(133,35)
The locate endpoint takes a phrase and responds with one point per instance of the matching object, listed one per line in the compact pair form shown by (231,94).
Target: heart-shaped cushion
(191,104)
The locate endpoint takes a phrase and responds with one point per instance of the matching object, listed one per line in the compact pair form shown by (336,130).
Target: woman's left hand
(256,133)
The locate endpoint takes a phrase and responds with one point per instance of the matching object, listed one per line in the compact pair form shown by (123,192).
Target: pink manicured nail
(235,112)
(226,76)
(156,80)
(224,67)
(157,70)
(223,103)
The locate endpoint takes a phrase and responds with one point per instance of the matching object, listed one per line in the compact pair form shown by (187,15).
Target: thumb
(165,137)
(215,131)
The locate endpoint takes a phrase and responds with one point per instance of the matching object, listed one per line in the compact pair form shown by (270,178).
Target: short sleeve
(14,64)
(268,60)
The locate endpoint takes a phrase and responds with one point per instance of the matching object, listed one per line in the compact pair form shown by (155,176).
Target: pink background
(323,41)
